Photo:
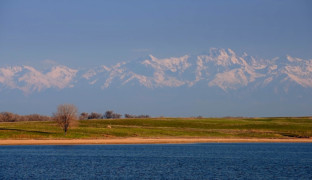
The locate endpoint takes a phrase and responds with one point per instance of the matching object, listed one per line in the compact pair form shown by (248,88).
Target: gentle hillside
(165,127)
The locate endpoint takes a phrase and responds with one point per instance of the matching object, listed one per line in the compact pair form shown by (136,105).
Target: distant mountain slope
(221,68)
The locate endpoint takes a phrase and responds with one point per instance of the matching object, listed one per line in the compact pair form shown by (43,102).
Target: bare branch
(65,116)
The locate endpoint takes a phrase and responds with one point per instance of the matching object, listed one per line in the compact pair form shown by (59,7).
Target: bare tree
(95,115)
(35,117)
(129,116)
(65,116)
(116,116)
(109,114)
(9,117)
(83,116)
(1,117)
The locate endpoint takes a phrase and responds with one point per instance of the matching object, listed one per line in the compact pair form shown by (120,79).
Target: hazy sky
(94,32)
(87,34)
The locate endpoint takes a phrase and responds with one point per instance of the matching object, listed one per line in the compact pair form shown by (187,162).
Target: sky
(86,34)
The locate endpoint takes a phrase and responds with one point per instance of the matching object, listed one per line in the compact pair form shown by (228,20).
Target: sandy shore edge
(147,141)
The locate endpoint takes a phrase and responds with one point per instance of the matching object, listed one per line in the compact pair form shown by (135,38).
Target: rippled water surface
(187,161)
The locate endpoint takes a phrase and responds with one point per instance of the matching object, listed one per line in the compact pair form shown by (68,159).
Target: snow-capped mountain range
(221,68)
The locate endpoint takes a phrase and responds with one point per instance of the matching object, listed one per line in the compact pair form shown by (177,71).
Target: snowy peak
(299,71)
(221,57)
(28,79)
(221,68)
(172,64)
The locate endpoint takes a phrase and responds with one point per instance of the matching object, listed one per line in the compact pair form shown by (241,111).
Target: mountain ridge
(221,68)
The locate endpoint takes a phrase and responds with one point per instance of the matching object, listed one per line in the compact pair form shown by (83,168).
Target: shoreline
(147,141)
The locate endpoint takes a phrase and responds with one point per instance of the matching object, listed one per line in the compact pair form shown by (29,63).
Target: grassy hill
(283,127)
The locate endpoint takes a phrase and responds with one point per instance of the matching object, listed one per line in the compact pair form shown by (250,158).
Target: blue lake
(186,161)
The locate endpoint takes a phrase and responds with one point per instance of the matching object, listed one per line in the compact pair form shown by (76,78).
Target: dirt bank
(145,141)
